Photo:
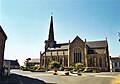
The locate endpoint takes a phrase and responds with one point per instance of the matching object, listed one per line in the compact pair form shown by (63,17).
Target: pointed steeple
(51,31)
(50,42)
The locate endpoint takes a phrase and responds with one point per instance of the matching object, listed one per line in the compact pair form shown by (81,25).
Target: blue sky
(26,23)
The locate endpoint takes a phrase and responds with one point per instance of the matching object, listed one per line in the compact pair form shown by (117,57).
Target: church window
(90,60)
(115,64)
(77,57)
(105,61)
(61,61)
(97,62)
(94,62)
(43,61)
(100,61)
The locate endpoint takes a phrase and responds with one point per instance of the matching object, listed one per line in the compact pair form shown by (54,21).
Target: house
(115,64)
(3,39)
(31,62)
(13,64)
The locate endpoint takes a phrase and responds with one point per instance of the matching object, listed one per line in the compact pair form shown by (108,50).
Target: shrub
(54,65)
(78,66)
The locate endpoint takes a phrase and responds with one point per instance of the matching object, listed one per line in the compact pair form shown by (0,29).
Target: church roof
(97,44)
(3,33)
(60,46)
(97,47)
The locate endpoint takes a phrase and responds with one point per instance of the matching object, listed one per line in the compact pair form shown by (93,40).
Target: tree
(27,62)
(55,65)
(78,65)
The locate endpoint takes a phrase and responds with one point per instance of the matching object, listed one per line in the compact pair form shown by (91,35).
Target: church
(89,53)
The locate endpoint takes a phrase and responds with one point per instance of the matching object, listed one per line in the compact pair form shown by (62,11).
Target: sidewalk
(12,79)
(117,80)
(18,79)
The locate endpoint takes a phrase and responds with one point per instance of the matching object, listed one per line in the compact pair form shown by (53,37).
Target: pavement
(27,77)
(61,78)
(12,79)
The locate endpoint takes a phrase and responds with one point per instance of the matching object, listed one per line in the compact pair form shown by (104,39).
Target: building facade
(115,64)
(3,38)
(91,54)
(33,62)
(13,64)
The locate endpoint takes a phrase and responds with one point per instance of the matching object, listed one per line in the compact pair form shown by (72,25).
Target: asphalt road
(86,78)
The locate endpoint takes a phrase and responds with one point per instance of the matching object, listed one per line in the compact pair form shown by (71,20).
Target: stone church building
(90,53)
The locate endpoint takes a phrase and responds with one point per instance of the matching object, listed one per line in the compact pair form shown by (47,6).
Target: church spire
(51,31)
(50,43)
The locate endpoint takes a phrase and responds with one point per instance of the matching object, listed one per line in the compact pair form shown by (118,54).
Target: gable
(77,40)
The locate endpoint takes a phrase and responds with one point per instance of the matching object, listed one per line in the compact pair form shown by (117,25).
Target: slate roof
(13,62)
(60,46)
(3,33)
(97,47)
(97,44)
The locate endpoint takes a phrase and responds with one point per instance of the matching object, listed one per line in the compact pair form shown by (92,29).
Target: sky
(26,23)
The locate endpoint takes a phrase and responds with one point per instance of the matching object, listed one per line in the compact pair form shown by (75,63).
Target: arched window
(74,57)
(77,55)
(100,61)
(61,61)
(80,57)
(43,61)
(90,60)
(105,61)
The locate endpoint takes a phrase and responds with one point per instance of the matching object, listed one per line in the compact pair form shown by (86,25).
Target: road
(86,78)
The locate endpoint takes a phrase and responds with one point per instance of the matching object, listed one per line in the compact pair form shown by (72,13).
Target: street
(86,78)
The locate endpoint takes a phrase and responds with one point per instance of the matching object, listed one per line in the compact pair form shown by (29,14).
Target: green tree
(54,65)
(27,62)
(78,66)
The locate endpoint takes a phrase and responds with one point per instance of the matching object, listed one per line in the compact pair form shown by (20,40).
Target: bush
(54,65)
(78,65)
